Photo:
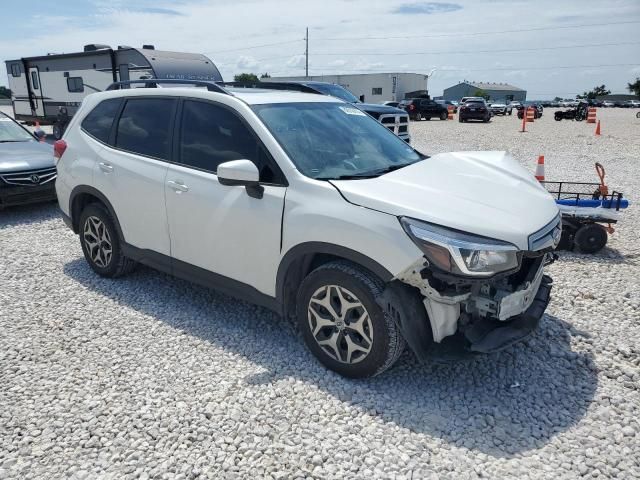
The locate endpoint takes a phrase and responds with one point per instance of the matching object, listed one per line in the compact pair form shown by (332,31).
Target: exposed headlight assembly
(461,253)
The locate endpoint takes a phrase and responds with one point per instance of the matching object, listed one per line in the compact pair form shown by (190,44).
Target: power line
(393,68)
(493,32)
(481,51)
(255,46)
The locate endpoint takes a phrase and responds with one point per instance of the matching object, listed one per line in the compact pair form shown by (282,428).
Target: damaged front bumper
(475,316)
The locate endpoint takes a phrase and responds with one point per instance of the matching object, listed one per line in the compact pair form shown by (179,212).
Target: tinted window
(144,126)
(34,81)
(15,69)
(212,135)
(98,122)
(74,84)
(376,91)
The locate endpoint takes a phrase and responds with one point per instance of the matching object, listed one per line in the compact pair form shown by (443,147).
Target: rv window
(376,91)
(98,122)
(15,69)
(74,84)
(34,80)
(144,127)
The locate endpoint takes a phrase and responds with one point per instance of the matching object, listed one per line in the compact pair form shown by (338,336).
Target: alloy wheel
(340,324)
(97,241)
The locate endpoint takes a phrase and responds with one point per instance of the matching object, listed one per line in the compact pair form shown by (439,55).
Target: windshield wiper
(371,174)
(356,176)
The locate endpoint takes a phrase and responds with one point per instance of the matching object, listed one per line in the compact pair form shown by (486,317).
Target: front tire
(343,325)
(101,244)
(444,115)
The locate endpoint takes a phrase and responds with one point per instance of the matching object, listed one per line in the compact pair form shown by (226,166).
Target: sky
(548,47)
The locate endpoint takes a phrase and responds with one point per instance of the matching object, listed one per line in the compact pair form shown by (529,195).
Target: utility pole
(306,55)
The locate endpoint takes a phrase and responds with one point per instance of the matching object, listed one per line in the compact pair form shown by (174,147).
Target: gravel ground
(152,377)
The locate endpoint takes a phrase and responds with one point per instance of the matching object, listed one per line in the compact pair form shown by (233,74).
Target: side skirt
(200,276)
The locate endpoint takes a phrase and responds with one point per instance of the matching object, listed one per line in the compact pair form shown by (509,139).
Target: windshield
(333,140)
(335,91)
(12,132)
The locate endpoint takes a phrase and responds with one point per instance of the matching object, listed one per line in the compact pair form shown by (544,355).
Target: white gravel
(152,377)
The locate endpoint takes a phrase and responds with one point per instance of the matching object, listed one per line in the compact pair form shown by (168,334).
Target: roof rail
(153,83)
(297,87)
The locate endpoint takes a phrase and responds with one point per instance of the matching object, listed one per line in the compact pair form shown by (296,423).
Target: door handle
(177,186)
(105,167)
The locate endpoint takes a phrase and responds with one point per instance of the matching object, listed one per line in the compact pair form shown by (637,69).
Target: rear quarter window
(144,127)
(99,121)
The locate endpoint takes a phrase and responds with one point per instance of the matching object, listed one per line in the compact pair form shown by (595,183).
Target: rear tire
(100,243)
(343,325)
(444,115)
(591,238)
(58,131)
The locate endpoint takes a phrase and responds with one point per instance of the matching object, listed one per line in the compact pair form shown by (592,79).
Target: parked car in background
(633,103)
(447,104)
(498,108)
(395,119)
(537,110)
(393,104)
(474,109)
(513,106)
(307,206)
(424,109)
(608,104)
(27,169)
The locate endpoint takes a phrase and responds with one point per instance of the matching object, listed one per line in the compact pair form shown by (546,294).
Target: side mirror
(241,173)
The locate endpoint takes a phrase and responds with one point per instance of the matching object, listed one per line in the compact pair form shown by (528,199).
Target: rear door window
(144,127)
(99,121)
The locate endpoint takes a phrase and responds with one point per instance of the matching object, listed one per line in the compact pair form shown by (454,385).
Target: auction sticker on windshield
(352,111)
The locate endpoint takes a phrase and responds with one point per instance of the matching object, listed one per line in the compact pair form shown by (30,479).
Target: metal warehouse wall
(364,84)
(465,90)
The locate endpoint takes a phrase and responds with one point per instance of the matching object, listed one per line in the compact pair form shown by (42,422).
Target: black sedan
(27,169)
(474,110)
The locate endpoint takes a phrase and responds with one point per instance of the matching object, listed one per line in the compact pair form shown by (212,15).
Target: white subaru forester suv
(306,205)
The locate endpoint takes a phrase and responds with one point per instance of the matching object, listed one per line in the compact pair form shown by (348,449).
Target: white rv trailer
(50,88)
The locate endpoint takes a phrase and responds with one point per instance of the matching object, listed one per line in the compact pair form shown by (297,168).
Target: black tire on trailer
(58,131)
(444,115)
(342,323)
(590,238)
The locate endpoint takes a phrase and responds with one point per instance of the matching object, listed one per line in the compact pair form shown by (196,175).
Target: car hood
(484,193)
(371,108)
(17,156)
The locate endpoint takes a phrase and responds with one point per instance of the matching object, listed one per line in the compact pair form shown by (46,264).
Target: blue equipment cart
(588,210)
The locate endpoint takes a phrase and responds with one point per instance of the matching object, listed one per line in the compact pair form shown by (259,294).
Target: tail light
(412,107)
(58,149)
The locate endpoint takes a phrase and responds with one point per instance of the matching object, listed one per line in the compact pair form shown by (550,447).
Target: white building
(376,87)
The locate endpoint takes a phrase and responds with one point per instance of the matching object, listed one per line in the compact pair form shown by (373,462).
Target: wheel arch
(83,195)
(300,260)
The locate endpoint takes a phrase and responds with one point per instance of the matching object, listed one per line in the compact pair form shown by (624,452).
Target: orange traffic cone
(540,169)
(598,128)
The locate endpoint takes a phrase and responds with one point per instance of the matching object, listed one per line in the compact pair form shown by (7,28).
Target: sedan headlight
(461,253)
